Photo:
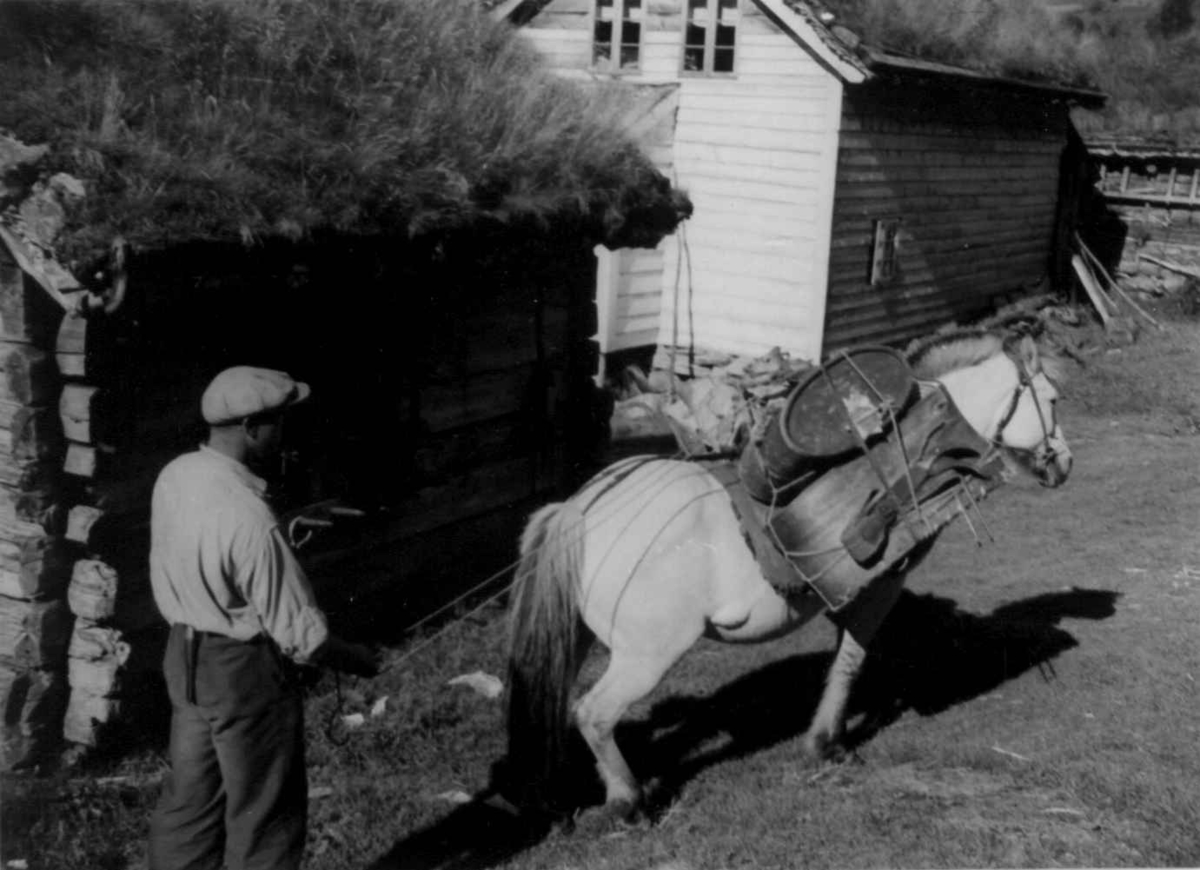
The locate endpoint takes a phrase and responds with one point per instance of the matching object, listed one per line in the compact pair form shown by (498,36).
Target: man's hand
(303,522)
(364,661)
(350,658)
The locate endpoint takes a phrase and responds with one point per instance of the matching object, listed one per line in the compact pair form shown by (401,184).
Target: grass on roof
(1145,57)
(1011,38)
(221,119)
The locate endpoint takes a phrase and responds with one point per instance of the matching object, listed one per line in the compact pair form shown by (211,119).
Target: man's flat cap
(244,390)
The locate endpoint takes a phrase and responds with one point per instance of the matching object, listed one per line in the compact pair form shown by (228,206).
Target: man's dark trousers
(237,794)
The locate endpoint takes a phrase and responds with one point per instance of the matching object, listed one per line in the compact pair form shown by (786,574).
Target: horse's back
(639,505)
(663,551)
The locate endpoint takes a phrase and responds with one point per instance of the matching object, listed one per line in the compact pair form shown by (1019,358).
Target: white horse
(649,557)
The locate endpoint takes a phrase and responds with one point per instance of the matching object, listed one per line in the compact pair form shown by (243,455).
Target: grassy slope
(1037,700)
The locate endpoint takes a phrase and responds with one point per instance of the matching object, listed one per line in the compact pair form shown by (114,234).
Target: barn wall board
(972,179)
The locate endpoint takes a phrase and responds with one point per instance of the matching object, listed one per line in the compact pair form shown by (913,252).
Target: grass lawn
(1031,703)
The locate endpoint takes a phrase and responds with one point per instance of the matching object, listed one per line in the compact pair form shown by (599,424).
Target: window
(883,259)
(617,37)
(708,36)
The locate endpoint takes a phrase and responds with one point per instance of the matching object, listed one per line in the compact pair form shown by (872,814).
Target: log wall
(35,558)
(444,397)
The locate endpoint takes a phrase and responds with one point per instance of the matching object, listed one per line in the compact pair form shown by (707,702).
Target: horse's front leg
(857,625)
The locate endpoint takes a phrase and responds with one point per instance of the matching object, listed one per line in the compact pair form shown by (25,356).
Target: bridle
(1024,382)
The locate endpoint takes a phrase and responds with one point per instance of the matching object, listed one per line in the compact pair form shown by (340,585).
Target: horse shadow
(929,656)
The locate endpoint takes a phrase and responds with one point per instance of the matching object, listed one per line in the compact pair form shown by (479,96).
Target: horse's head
(1005,390)
(1026,422)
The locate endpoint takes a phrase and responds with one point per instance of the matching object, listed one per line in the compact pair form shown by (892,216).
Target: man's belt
(192,638)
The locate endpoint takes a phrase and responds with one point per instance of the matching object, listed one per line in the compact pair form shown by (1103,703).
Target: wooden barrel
(828,417)
(934,447)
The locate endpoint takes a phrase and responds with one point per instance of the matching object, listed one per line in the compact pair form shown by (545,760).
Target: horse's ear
(1029,354)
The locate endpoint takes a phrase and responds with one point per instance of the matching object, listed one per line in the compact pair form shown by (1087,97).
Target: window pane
(725,36)
(693,59)
(723,60)
(631,35)
(633,9)
(698,10)
(694,36)
(602,43)
(727,11)
(604,10)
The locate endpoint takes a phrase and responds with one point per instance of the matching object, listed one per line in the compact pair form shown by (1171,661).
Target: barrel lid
(848,400)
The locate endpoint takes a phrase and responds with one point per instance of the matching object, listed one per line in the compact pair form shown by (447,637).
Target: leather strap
(776,568)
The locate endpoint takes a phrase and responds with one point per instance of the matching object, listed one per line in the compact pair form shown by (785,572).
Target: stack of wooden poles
(117,634)
(1118,311)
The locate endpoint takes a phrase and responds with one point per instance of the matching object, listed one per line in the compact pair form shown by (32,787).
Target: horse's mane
(935,355)
(945,352)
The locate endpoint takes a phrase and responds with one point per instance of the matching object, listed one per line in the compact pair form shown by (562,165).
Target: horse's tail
(545,630)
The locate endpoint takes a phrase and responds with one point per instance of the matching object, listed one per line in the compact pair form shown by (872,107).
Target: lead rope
(335,714)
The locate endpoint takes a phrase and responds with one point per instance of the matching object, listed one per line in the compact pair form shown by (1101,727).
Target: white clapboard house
(843,194)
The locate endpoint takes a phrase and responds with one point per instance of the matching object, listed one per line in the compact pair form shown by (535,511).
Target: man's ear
(252,426)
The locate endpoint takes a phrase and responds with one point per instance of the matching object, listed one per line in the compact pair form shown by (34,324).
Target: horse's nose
(1056,469)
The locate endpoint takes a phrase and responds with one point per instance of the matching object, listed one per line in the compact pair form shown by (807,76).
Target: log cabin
(422,256)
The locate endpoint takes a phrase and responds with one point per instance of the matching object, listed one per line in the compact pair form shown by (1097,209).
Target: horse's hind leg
(628,679)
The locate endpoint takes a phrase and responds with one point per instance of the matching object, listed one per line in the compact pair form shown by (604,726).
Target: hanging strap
(775,566)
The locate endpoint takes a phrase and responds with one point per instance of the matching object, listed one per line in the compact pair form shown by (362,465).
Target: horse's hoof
(613,816)
(824,747)
(628,811)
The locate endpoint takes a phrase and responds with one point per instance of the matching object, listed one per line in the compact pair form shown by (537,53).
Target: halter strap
(1024,382)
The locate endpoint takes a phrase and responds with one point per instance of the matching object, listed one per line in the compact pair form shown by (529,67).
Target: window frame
(885,252)
(711,47)
(616,43)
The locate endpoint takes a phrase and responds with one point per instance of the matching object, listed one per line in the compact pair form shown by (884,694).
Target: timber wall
(755,151)
(447,400)
(35,559)
(973,179)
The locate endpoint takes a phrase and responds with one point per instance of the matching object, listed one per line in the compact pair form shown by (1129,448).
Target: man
(241,611)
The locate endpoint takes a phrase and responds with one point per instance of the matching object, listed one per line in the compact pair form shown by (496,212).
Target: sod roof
(225,120)
(1012,40)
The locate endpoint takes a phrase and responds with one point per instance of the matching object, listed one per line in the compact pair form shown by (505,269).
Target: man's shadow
(928,656)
